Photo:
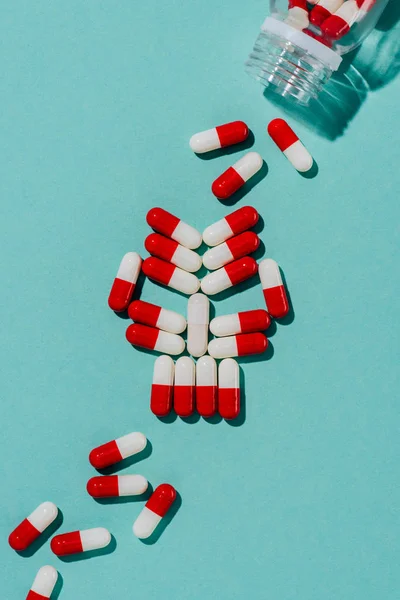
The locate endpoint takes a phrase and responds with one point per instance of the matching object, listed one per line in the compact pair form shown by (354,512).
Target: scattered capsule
(125,282)
(155,509)
(219,137)
(206,386)
(273,288)
(228,276)
(288,142)
(323,10)
(162,386)
(298,14)
(236,176)
(184,386)
(171,251)
(228,389)
(233,224)
(116,450)
(155,339)
(33,526)
(338,24)
(174,277)
(112,486)
(232,249)
(76,542)
(155,316)
(238,345)
(198,318)
(248,321)
(164,222)
(43,584)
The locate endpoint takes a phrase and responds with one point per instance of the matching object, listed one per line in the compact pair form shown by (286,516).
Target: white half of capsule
(206,372)
(187,235)
(186,259)
(225,325)
(223,347)
(198,318)
(270,274)
(132,485)
(184,371)
(169,343)
(163,372)
(228,374)
(298,155)
(331,5)
(171,321)
(205,141)
(184,282)
(146,523)
(45,581)
(43,516)
(92,539)
(216,282)
(217,233)
(348,11)
(131,444)
(217,257)
(129,268)
(297,18)
(248,166)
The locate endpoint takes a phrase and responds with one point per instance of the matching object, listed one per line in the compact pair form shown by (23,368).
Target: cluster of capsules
(103,486)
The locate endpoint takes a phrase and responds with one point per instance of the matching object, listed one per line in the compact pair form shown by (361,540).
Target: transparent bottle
(302,43)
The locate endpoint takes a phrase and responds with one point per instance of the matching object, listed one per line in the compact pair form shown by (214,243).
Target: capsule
(219,137)
(233,224)
(112,486)
(155,509)
(198,318)
(162,386)
(228,389)
(228,276)
(125,282)
(298,14)
(155,316)
(31,527)
(248,321)
(171,251)
(184,386)
(116,450)
(288,142)
(273,289)
(238,345)
(167,224)
(174,277)
(236,176)
(76,542)
(43,584)
(206,386)
(234,248)
(155,339)
(338,24)
(323,10)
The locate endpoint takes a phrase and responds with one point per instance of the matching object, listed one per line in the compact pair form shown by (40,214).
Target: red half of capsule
(144,312)
(241,269)
(318,15)
(162,221)
(158,269)
(120,294)
(232,133)
(282,134)
(229,402)
(276,301)
(243,244)
(335,27)
(206,400)
(298,4)
(105,455)
(103,487)
(254,320)
(227,184)
(160,246)
(66,543)
(23,536)
(184,400)
(161,399)
(242,219)
(142,336)
(34,596)
(251,343)
(161,499)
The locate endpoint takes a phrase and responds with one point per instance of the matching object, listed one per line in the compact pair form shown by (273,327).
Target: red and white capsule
(219,137)
(155,339)
(155,316)
(184,383)
(236,176)
(112,486)
(238,345)
(229,276)
(240,220)
(113,452)
(155,509)
(248,321)
(323,10)
(232,249)
(169,225)
(125,282)
(274,291)
(162,386)
(33,526)
(167,274)
(76,542)
(228,389)
(206,386)
(169,250)
(43,584)
(338,24)
(298,14)
(288,142)
(197,324)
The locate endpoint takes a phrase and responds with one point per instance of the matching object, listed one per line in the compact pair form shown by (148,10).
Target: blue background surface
(299,502)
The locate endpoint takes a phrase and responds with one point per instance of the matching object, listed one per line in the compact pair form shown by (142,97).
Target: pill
(236,176)
(167,274)
(234,248)
(238,345)
(228,276)
(155,339)
(155,509)
(169,250)
(110,486)
(248,321)
(198,318)
(31,527)
(298,14)
(228,389)
(338,24)
(75,542)
(219,137)
(231,225)
(323,10)
(116,450)
(43,584)
(162,386)
(206,386)
(164,222)
(184,383)
(155,316)
(288,142)
(273,288)
(125,282)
